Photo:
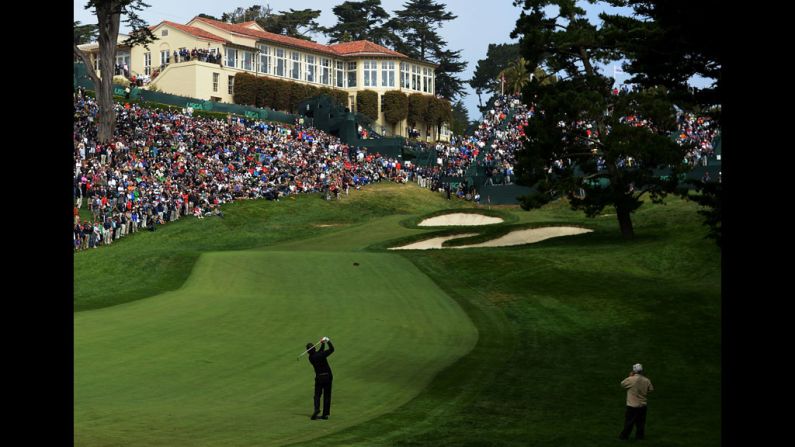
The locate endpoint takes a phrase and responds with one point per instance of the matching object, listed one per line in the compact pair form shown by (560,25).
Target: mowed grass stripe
(214,362)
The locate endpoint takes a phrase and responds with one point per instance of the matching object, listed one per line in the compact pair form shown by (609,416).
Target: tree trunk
(625,222)
(108,17)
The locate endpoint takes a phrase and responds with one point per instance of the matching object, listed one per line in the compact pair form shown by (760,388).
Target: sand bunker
(459,219)
(432,243)
(519,237)
(529,236)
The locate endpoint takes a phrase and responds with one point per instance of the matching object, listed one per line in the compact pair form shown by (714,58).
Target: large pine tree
(597,148)
(360,21)
(417,25)
(670,42)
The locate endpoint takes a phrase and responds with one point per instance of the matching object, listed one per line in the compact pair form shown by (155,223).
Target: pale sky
(479,23)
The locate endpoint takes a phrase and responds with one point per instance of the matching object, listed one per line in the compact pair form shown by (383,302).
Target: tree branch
(89,68)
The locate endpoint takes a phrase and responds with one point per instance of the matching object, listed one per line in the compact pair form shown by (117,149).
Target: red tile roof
(265,35)
(363,46)
(192,30)
(342,49)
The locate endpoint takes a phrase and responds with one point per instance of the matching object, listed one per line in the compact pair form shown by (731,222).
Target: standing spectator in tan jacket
(637,386)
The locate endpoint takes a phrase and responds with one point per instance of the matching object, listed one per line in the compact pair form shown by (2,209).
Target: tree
(85,33)
(246,88)
(516,75)
(254,13)
(367,103)
(416,27)
(289,23)
(208,16)
(666,43)
(298,23)
(360,21)
(418,105)
(485,79)
(396,106)
(448,85)
(581,143)
(440,113)
(460,118)
(417,24)
(109,13)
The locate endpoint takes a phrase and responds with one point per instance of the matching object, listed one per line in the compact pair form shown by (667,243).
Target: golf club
(299,355)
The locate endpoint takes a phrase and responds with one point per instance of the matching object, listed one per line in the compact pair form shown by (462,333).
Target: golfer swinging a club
(323,376)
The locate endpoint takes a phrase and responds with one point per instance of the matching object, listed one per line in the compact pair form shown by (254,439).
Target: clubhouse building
(247,47)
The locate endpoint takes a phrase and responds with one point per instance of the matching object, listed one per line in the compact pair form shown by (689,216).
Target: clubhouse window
(281,62)
(295,73)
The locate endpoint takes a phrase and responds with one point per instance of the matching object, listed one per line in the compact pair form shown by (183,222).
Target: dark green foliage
(85,33)
(446,84)
(485,78)
(245,91)
(633,156)
(281,95)
(668,42)
(459,118)
(298,92)
(289,23)
(362,20)
(261,92)
(396,106)
(417,25)
(418,107)
(367,103)
(341,96)
(438,113)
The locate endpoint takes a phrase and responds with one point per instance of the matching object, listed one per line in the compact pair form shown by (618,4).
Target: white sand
(529,236)
(459,219)
(519,237)
(432,243)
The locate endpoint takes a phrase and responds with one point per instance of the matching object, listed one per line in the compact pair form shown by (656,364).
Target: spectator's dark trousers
(635,416)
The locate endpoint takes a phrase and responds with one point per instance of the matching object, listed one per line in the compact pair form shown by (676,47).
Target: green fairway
(188,336)
(214,363)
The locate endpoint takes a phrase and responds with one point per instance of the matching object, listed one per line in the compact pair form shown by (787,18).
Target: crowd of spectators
(199,54)
(700,133)
(161,166)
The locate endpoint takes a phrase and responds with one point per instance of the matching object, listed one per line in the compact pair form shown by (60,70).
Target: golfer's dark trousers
(635,416)
(323,386)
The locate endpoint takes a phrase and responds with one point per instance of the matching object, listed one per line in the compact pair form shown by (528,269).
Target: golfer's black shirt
(318,359)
